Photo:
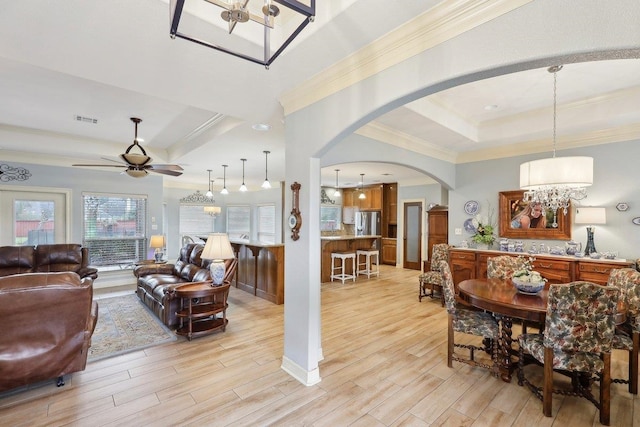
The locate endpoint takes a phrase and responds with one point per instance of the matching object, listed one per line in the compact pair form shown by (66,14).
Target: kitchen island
(346,243)
(260,269)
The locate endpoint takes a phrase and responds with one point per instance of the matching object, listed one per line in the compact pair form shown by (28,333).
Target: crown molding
(437,25)
(399,139)
(585,139)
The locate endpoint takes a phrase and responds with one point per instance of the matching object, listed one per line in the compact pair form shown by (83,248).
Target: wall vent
(84,119)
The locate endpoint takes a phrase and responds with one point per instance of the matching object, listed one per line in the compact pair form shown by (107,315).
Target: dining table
(501,297)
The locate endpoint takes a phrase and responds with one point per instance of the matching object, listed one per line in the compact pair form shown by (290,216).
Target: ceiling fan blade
(102,166)
(165,167)
(165,172)
(109,159)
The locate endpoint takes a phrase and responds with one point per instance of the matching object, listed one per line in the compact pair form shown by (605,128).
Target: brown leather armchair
(47,322)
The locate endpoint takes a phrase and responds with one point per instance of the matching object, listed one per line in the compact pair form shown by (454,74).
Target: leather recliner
(46,259)
(47,322)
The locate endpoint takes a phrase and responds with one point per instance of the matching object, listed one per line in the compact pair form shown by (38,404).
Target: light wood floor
(384,365)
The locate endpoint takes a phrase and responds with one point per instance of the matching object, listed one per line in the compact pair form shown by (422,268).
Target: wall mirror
(522,220)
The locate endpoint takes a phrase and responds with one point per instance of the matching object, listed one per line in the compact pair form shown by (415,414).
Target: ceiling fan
(138,165)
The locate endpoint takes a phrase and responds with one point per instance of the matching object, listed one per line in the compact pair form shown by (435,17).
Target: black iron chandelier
(258,30)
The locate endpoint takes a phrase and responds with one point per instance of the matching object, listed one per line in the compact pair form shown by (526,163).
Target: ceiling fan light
(137,173)
(135,159)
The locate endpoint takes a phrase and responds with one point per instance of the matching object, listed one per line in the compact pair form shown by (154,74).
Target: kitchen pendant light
(266,184)
(337,192)
(224,180)
(209,193)
(362,196)
(555,181)
(243,187)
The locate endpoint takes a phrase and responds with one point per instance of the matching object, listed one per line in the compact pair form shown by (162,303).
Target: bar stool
(343,257)
(364,265)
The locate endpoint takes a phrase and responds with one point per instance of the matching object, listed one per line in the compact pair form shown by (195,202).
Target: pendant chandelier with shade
(337,192)
(224,180)
(555,181)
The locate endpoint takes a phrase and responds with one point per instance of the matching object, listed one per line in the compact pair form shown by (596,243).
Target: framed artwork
(522,220)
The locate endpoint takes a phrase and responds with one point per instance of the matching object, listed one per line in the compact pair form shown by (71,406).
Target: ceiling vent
(84,119)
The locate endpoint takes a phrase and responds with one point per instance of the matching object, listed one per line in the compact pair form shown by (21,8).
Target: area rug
(125,325)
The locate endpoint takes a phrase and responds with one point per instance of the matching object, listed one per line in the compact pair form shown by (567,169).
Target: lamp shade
(555,171)
(217,247)
(212,210)
(591,216)
(156,241)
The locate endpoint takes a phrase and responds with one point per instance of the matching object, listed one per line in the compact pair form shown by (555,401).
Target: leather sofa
(156,282)
(47,322)
(46,259)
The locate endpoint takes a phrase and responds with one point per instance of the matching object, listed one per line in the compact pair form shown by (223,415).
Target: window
(194,222)
(267,223)
(114,229)
(330,218)
(239,222)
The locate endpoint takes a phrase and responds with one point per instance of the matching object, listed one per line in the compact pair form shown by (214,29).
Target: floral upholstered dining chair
(627,336)
(467,321)
(577,339)
(503,266)
(433,279)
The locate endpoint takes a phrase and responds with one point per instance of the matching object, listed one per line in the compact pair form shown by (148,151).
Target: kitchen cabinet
(389,250)
(472,263)
(347,197)
(390,210)
(438,227)
(372,198)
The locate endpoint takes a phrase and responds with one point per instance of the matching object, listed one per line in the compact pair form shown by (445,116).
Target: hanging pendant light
(224,180)
(209,193)
(266,184)
(362,196)
(337,192)
(243,187)
(555,181)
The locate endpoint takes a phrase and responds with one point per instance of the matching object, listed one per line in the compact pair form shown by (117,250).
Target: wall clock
(295,219)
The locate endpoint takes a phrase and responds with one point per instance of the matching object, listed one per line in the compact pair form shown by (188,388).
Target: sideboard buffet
(472,264)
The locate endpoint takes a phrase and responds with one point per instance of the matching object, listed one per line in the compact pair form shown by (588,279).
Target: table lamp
(217,249)
(157,242)
(590,216)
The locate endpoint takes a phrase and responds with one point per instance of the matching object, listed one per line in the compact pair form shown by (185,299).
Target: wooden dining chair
(467,321)
(577,339)
(432,280)
(627,336)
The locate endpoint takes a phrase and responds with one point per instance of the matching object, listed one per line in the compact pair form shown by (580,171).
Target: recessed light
(262,127)
(491,107)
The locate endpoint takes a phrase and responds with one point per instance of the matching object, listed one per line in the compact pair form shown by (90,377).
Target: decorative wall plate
(636,220)
(622,207)
(471,207)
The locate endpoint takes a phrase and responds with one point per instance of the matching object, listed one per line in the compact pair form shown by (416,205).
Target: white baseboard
(307,378)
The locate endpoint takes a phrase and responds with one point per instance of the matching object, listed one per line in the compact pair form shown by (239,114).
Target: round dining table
(501,297)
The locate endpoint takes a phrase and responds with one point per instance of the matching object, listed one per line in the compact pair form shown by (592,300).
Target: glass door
(412,235)
(32,217)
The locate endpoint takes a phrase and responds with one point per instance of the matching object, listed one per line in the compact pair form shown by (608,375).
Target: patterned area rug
(125,325)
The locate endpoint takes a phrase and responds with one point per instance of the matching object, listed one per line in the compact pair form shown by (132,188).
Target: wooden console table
(472,264)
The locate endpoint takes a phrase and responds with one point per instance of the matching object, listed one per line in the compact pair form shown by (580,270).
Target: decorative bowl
(528,288)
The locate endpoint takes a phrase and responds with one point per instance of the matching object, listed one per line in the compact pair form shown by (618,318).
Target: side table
(201,302)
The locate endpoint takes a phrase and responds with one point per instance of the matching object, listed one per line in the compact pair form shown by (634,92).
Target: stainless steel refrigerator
(368,224)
